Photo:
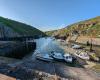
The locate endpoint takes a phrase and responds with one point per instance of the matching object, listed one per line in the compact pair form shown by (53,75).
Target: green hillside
(90,27)
(49,33)
(21,28)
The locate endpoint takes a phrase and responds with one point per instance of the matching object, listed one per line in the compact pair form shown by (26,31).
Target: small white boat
(44,57)
(82,55)
(57,56)
(76,46)
(68,58)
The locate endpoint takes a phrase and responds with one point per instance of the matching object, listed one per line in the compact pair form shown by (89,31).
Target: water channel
(46,45)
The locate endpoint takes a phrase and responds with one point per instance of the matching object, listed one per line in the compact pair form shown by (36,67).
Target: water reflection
(46,45)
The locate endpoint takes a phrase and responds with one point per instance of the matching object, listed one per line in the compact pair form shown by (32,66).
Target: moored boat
(57,56)
(75,46)
(62,57)
(82,55)
(44,57)
(68,58)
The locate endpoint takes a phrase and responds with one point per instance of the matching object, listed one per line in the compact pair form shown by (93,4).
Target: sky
(49,14)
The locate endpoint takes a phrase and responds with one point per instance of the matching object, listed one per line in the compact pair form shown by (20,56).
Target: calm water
(46,45)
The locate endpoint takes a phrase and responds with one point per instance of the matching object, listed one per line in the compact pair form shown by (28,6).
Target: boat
(57,56)
(82,54)
(62,57)
(74,46)
(44,57)
(93,56)
(68,58)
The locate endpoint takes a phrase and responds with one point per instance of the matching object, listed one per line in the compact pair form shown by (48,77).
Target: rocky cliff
(11,28)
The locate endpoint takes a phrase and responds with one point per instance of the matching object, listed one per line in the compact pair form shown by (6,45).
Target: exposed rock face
(85,28)
(6,31)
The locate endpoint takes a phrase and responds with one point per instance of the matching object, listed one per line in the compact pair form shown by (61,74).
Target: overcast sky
(49,14)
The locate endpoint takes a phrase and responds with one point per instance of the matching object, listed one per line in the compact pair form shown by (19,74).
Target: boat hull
(44,59)
(57,59)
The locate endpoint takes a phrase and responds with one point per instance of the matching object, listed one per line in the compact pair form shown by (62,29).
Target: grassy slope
(21,28)
(88,29)
(49,33)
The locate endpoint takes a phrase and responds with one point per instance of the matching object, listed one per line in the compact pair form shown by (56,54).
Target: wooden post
(91,47)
